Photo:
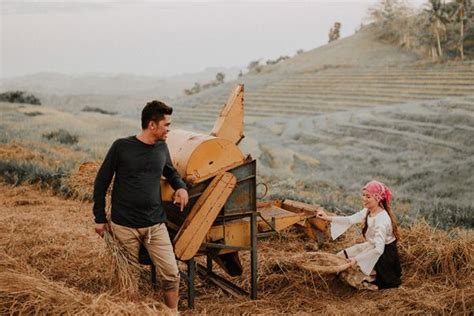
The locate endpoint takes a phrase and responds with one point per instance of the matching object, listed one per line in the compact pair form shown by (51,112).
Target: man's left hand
(181,197)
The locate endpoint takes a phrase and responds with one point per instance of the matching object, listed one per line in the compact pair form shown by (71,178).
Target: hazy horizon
(161,38)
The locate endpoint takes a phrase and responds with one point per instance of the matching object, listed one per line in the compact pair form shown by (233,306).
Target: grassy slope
(354,110)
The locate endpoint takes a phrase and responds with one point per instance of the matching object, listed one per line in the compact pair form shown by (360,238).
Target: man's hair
(154,111)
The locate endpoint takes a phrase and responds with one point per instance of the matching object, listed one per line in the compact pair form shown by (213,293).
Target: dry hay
(81,182)
(24,290)
(52,262)
(448,256)
(43,154)
(286,288)
(319,262)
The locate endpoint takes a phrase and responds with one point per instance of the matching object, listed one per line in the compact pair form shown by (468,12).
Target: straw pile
(319,262)
(24,290)
(43,154)
(81,182)
(52,262)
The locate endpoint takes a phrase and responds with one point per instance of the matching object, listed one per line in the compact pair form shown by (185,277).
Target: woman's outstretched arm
(339,224)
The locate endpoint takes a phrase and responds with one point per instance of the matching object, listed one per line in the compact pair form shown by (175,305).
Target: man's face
(161,128)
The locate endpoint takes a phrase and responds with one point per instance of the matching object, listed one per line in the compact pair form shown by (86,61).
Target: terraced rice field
(410,126)
(423,149)
(340,89)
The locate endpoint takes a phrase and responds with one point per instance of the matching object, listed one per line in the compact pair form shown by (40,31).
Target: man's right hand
(100,229)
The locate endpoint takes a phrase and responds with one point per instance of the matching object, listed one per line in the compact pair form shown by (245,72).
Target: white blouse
(379,233)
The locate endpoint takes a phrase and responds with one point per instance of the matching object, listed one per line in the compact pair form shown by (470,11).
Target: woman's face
(368,201)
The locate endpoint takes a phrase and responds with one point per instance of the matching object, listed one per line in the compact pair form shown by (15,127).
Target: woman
(378,255)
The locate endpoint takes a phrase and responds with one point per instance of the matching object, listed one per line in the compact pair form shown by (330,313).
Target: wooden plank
(310,211)
(237,232)
(230,124)
(203,214)
(279,217)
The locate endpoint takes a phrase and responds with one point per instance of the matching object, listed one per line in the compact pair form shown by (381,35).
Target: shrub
(19,97)
(198,87)
(62,136)
(276,61)
(253,65)
(446,215)
(34,113)
(18,172)
(97,110)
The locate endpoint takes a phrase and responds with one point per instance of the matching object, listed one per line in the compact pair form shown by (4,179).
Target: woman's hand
(352,261)
(322,215)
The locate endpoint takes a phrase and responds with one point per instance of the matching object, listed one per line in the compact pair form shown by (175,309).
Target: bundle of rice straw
(126,270)
(319,262)
(328,263)
(81,183)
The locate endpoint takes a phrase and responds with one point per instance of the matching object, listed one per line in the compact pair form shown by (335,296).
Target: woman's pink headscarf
(379,191)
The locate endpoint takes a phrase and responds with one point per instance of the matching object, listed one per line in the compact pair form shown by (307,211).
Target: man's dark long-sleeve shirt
(136,193)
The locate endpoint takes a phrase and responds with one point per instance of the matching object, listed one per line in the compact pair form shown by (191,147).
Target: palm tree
(460,15)
(438,18)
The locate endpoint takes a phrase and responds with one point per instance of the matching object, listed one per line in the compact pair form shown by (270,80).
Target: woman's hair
(386,206)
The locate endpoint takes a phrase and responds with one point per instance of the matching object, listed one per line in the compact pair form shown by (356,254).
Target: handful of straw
(125,270)
(320,262)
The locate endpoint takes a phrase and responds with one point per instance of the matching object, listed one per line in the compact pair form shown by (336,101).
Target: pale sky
(163,38)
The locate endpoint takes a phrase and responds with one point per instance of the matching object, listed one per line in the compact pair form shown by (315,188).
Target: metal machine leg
(253,255)
(209,263)
(190,280)
(153,276)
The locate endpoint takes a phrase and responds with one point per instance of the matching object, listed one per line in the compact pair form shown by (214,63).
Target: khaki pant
(157,242)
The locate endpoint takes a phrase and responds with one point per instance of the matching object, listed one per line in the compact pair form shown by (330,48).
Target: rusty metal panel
(242,201)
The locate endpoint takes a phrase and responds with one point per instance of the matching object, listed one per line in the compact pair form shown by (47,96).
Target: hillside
(353,110)
(120,92)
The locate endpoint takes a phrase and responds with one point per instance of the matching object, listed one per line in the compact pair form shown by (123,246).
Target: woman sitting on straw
(378,255)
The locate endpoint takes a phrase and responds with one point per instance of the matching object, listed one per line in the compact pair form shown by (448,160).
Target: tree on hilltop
(220,77)
(19,97)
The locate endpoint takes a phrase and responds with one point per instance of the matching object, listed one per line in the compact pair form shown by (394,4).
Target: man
(138,162)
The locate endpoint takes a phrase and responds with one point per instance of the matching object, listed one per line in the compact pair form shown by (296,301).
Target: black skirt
(388,268)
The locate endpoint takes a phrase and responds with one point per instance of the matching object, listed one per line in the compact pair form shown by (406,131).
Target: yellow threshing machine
(223,216)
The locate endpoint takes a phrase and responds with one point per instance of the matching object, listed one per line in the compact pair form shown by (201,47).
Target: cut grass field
(52,262)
